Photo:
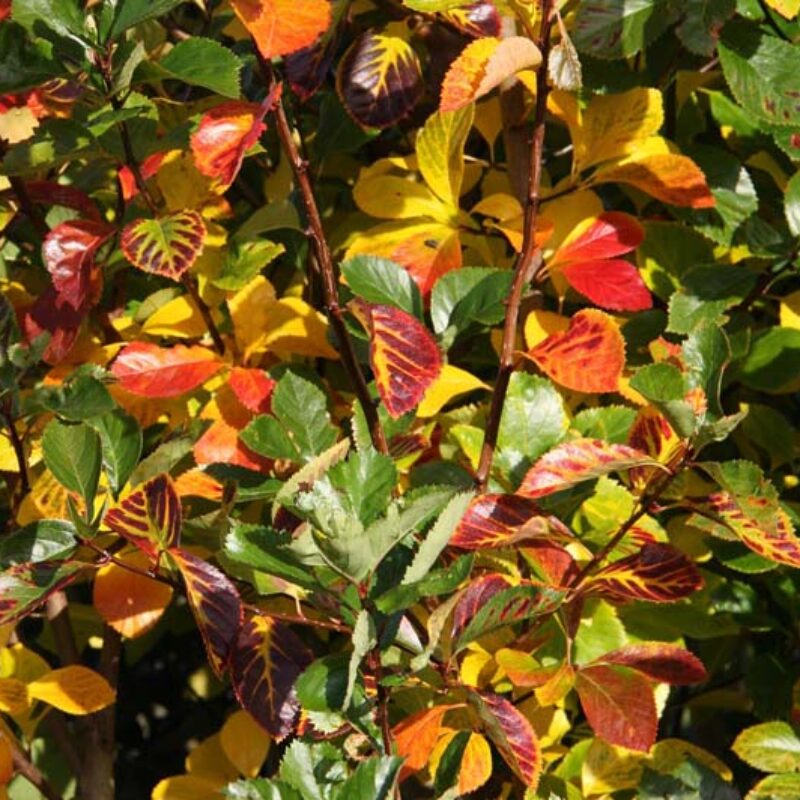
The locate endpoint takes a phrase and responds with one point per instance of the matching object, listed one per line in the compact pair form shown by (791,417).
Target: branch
(19,450)
(529,261)
(25,767)
(316,233)
(58,616)
(205,312)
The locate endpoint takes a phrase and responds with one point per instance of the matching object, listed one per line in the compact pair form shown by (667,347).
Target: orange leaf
(130,603)
(148,370)
(416,737)
(280,27)
(619,705)
(668,177)
(476,761)
(404,357)
(576,461)
(484,64)
(253,388)
(588,357)
(197,483)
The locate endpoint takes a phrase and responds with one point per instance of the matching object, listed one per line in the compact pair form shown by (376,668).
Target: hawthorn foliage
(398,398)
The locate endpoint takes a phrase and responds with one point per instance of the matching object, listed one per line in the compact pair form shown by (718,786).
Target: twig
(25,767)
(530,258)
(28,206)
(205,312)
(58,616)
(19,450)
(316,233)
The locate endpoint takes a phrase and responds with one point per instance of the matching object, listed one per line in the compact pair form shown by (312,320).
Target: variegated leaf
(165,246)
(660,661)
(24,587)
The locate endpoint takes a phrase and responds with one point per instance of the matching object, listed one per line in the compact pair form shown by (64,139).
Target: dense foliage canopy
(398,399)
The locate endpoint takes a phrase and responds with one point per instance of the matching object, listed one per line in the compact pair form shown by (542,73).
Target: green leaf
(599,633)
(302,409)
(374,779)
(706,353)
(437,538)
(74,455)
(761,70)
(121,440)
(379,280)
(132,12)
(198,62)
(776,787)
(690,780)
(25,64)
(534,419)
(44,540)
(471,295)
(699,29)
(367,479)
(610,423)
(438,583)
(245,261)
(261,789)
(265,436)
(55,142)
(323,684)
(773,363)
(313,769)
(620,28)
(65,17)
(659,383)
(364,639)
(791,204)
(79,399)
(770,747)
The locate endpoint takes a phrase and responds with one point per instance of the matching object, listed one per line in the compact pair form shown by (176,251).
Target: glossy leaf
(660,661)
(24,587)
(121,443)
(73,454)
(378,280)
(253,388)
(416,736)
(149,517)
(266,661)
(39,541)
(588,357)
(658,573)
(202,62)
(619,705)
(165,246)
(74,690)
(576,461)
(769,746)
(379,80)
(483,65)
(148,370)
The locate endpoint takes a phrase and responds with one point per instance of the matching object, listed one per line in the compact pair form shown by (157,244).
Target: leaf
(776,787)
(253,389)
(658,573)
(68,252)
(74,690)
(663,662)
(24,587)
(468,296)
(149,517)
(791,204)
(773,361)
(43,540)
(265,663)
(502,520)
(14,699)
(770,747)
(588,357)
(619,705)
(133,12)
(451,382)
(244,743)
(223,137)
(619,28)
(165,246)
(280,27)
(436,583)
(564,65)
(366,479)
(669,177)
(576,461)
(403,356)
(416,736)
(373,779)
(484,64)
(379,280)
(202,62)
(364,638)
(761,71)
(121,442)
(73,454)
(440,152)
(474,766)
(379,80)
(512,734)
(129,602)
(148,370)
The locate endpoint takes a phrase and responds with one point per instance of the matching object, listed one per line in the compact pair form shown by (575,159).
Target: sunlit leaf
(476,761)
(74,690)
(660,661)
(770,746)
(451,383)
(416,736)
(588,357)
(483,65)
(165,246)
(245,743)
(24,587)
(253,388)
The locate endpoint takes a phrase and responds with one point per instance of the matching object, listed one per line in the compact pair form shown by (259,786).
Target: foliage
(398,400)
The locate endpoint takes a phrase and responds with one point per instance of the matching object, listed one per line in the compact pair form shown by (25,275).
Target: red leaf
(253,388)
(165,246)
(147,169)
(552,561)
(149,517)
(658,573)
(576,461)
(478,19)
(148,370)
(49,314)
(663,662)
(416,736)
(512,735)
(68,252)
(611,234)
(474,597)
(50,193)
(619,705)
(265,664)
(306,69)
(499,520)
(588,357)
(224,135)
(404,357)
(215,604)
(609,283)
(280,27)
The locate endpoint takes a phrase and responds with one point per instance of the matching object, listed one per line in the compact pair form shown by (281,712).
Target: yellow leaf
(46,500)
(451,382)
(188,787)
(8,458)
(208,760)
(786,8)
(392,197)
(541,324)
(476,761)
(250,308)
(74,690)
(21,663)
(245,743)
(478,667)
(470,440)
(13,696)
(489,120)
(295,328)
(608,768)
(790,310)
(613,125)
(18,124)
(668,754)
(179,317)
(566,213)
(440,149)
(182,184)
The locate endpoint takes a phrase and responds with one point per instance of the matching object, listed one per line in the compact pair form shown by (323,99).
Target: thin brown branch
(25,767)
(316,234)
(530,258)
(28,206)
(19,450)
(58,617)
